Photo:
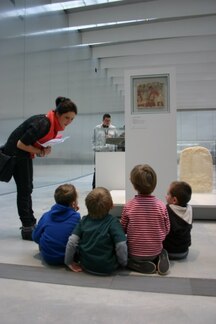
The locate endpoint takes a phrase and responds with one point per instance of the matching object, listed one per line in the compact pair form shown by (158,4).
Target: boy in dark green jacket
(99,238)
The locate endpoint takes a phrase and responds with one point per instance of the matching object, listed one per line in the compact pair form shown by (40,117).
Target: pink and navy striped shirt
(146,222)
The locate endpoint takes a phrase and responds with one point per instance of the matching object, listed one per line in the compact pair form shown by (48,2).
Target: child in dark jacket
(178,240)
(99,238)
(56,225)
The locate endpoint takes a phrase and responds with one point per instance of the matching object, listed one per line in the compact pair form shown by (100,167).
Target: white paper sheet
(54,141)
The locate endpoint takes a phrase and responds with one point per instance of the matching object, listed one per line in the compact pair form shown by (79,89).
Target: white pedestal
(204,205)
(110,170)
(118,197)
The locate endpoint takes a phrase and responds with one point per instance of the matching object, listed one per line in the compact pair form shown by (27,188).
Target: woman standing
(24,143)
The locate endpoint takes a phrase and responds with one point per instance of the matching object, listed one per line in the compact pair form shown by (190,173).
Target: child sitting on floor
(146,222)
(56,225)
(178,240)
(98,239)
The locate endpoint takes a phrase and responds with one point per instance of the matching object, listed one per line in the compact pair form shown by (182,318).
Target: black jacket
(29,132)
(179,238)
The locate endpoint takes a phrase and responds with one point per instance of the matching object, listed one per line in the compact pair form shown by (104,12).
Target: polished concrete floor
(33,292)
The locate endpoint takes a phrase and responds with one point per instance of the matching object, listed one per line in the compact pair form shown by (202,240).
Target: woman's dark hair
(64,105)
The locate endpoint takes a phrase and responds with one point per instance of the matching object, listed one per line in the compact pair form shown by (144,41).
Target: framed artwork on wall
(150,94)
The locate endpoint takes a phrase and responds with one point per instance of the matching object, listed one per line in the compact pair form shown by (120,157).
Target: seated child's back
(145,221)
(56,225)
(178,240)
(100,238)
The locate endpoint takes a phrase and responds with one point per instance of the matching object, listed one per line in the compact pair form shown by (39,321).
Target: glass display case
(108,139)
(199,170)
(203,200)
(210,145)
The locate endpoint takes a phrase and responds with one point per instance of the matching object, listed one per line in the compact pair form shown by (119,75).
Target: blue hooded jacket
(53,231)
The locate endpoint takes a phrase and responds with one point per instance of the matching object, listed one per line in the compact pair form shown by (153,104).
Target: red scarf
(55,127)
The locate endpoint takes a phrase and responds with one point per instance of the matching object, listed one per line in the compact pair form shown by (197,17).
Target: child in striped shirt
(146,222)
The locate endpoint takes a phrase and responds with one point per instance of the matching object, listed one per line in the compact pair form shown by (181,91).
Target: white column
(150,133)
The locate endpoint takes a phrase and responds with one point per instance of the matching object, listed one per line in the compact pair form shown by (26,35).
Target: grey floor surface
(32,292)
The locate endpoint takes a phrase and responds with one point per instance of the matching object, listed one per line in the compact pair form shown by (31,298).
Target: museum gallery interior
(151,65)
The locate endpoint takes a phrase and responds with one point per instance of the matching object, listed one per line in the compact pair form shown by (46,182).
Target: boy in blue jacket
(56,225)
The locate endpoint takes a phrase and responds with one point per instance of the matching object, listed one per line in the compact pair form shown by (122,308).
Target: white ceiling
(139,32)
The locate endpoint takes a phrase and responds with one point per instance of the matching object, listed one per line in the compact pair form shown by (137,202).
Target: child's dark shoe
(163,263)
(147,267)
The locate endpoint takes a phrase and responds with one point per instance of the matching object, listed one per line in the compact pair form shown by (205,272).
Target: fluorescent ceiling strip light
(23,12)
(83,27)
(83,45)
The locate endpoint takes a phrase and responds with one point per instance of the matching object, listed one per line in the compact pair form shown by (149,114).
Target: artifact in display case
(210,145)
(196,168)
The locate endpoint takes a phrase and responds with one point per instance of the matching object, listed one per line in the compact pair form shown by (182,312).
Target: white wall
(29,84)
(34,70)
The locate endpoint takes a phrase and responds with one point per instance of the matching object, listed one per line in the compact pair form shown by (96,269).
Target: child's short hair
(65,194)
(99,202)
(182,191)
(143,178)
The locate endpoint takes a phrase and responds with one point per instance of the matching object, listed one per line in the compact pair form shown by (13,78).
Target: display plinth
(110,170)
(203,205)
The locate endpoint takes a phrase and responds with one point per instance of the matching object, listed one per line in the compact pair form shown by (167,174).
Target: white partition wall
(151,132)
